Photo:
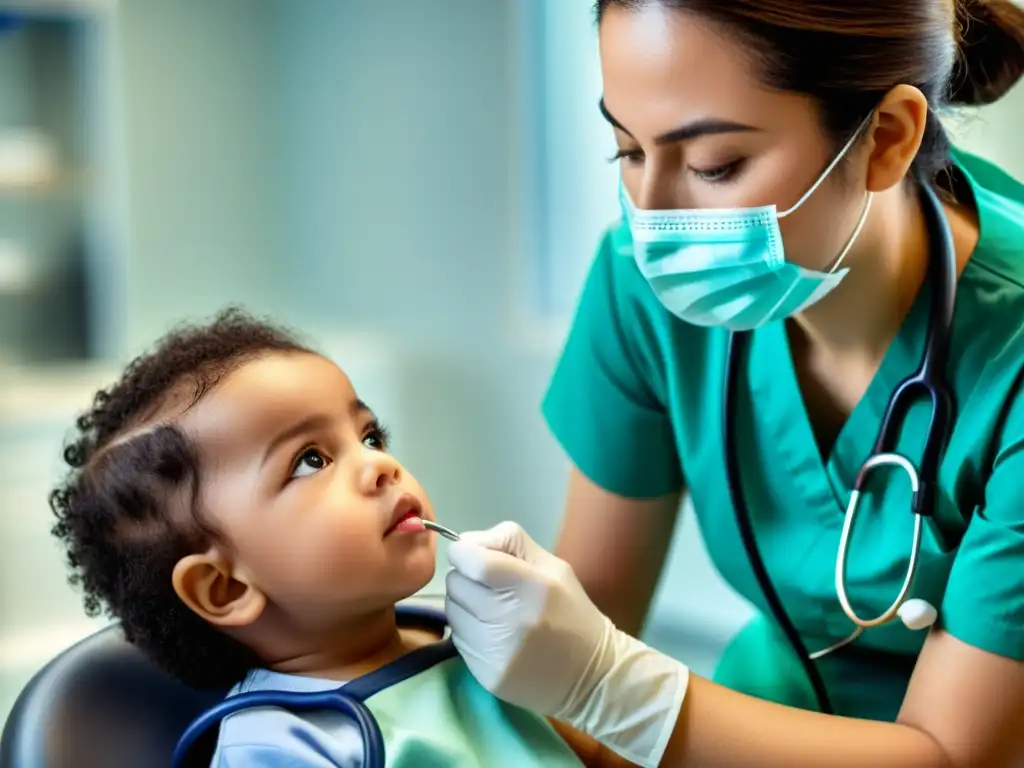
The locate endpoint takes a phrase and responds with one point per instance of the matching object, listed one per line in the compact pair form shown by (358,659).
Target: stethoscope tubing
(336,700)
(749,539)
(930,377)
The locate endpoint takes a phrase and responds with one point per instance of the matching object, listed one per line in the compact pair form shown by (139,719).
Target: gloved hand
(531,636)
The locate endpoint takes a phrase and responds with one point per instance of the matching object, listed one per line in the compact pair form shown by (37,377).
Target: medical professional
(795,227)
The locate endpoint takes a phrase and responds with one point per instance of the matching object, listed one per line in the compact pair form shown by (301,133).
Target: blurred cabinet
(56,249)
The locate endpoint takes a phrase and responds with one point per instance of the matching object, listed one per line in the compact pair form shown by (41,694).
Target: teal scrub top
(636,402)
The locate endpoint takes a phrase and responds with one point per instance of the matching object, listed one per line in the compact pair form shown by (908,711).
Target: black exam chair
(101,704)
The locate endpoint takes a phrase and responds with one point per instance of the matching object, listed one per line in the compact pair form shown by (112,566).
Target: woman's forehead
(663,67)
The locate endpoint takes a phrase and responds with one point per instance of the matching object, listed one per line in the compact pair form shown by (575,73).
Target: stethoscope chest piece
(916,614)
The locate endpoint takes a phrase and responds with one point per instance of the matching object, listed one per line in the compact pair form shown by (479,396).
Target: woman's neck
(888,266)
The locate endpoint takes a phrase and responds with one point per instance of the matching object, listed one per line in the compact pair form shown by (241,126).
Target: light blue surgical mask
(727,267)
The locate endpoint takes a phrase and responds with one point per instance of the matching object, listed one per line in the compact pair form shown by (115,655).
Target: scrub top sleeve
(602,404)
(984,601)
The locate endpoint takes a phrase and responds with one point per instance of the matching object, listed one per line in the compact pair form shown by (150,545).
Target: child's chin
(424,572)
(417,571)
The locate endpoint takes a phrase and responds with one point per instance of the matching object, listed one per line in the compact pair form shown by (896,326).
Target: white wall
(572,192)
(200,156)
(395,127)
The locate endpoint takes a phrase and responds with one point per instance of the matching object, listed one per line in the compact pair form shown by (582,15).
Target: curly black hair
(128,510)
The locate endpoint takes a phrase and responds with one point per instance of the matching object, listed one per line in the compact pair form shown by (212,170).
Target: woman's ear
(207,584)
(895,136)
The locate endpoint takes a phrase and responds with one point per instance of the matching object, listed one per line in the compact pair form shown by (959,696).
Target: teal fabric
(636,402)
(443,717)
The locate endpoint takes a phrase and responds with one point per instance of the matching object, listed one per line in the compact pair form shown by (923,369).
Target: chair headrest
(100,704)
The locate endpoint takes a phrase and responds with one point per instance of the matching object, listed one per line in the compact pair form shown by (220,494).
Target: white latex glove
(531,636)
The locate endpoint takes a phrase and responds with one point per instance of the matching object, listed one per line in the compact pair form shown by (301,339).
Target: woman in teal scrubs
(724,106)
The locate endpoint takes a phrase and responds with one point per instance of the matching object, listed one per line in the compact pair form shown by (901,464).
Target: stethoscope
(349,699)
(927,381)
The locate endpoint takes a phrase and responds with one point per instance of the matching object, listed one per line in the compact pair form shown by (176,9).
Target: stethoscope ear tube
(746,527)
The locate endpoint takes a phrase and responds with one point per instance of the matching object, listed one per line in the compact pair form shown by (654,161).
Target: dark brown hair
(128,510)
(847,54)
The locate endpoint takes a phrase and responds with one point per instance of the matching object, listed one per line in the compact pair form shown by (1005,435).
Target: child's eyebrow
(309,423)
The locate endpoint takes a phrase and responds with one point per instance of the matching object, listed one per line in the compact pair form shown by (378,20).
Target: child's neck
(356,649)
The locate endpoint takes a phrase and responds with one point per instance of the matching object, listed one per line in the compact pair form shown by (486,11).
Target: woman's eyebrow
(704,126)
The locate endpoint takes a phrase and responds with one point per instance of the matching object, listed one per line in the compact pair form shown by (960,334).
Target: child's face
(297,477)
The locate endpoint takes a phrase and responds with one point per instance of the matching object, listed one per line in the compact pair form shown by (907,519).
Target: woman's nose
(380,472)
(655,192)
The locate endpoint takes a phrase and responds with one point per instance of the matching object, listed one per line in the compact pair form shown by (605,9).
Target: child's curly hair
(128,510)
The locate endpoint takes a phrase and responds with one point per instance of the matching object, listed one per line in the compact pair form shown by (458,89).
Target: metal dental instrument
(448,533)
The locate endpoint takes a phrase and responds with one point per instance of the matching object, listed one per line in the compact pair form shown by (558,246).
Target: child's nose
(380,472)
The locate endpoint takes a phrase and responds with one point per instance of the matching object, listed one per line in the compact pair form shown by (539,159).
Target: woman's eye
(631,156)
(309,462)
(717,174)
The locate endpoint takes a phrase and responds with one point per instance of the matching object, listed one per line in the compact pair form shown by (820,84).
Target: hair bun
(990,60)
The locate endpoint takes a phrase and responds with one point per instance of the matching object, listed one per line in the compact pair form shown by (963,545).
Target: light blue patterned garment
(431,712)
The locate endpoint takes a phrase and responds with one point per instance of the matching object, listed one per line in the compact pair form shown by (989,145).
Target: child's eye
(310,461)
(376,437)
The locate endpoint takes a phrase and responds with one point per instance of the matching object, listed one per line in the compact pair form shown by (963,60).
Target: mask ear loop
(846,248)
(869,196)
(856,232)
(831,167)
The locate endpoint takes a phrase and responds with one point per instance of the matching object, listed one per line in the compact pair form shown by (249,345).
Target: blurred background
(416,186)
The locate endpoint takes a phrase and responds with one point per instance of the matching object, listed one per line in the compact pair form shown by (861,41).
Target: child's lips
(406,517)
(408,524)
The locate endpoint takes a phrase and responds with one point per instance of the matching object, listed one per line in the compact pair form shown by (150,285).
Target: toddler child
(234,504)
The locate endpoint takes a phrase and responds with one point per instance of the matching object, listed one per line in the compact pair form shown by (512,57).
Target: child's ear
(206,584)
